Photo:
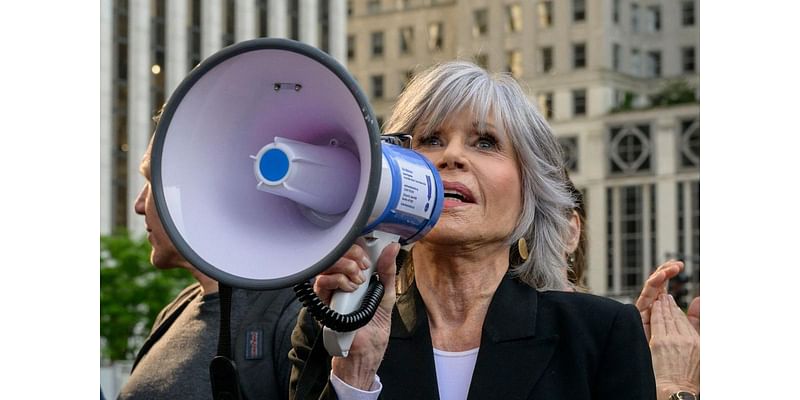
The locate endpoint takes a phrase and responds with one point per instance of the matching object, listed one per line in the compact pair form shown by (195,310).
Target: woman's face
(480,172)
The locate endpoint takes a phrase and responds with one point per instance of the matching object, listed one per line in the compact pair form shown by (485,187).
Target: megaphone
(268,164)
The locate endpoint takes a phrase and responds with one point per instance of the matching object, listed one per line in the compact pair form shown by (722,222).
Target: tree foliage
(132,292)
(672,93)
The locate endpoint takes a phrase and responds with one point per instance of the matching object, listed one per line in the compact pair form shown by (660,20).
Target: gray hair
(447,88)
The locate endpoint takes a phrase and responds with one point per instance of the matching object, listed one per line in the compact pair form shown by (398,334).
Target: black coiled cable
(341,322)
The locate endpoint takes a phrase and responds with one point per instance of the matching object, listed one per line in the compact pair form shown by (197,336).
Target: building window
(688,59)
(629,149)
(545,100)
(616,57)
(349,8)
(579,102)
(373,6)
(324,27)
(351,47)
(294,20)
(688,235)
(611,253)
(480,22)
(578,55)
(690,144)
(654,18)
(578,10)
(482,60)
(229,28)
(435,36)
(514,63)
(406,40)
(687,13)
(377,44)
(195,34)
(636,62)
(403,4)
(694,260)
(631,237)
(654,259)
(654,61)
(634,18)
(261,9)
(632,232)
(547,59)
(119,121)
(377,86)
(545,14)
(513,18)
(569,149)
(615,9)
(157,46)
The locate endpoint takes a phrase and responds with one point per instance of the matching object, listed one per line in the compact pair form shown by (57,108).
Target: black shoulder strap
(177,307)
(223,373)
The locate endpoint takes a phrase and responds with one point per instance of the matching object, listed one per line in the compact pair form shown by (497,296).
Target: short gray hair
(450,87)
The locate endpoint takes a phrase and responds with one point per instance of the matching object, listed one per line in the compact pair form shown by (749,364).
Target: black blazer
(534,345)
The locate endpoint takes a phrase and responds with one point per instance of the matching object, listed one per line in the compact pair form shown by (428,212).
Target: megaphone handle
(338,343)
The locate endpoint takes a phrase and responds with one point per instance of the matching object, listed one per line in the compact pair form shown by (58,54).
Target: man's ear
(574,232)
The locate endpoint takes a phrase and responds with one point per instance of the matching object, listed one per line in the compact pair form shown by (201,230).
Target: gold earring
(522,246)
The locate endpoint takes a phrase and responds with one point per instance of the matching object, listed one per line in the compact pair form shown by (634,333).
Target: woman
(576,244)
(473,324)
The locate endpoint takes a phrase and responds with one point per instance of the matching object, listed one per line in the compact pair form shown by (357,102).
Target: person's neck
(208,285)
(457,283)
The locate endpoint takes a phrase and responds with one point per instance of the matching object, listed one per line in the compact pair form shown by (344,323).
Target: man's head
(164,254)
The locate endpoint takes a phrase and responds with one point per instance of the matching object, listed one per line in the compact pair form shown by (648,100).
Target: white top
(454,372)
(453,376)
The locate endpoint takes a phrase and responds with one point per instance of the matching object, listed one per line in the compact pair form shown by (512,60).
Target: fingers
(657,327)
(656,283)
(671,268)
(387,272)
(650,290)
(345,274)
(335,282)
(693,314)
(655,286)
(681,322)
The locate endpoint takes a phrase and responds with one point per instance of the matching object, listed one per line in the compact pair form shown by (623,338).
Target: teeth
(454,195)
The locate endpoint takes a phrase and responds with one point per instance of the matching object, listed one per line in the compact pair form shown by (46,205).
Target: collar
(511,314)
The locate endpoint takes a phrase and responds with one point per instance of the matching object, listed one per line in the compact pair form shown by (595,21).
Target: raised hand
(675,347)
(655,286)
(366,352)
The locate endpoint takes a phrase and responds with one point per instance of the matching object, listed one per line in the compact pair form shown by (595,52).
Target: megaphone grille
(223,113)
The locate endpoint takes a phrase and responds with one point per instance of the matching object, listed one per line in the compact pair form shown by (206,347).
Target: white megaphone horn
(267,165)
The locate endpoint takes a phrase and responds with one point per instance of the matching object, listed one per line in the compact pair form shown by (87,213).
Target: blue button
(274,164)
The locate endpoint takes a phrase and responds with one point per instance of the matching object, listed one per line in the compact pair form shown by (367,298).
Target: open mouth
(454,191)
(455,196)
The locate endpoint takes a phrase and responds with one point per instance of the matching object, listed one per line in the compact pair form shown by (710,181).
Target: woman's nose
(453,156)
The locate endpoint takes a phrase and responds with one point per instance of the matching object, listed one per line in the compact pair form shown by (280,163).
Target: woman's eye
(486,143)
(431,140)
